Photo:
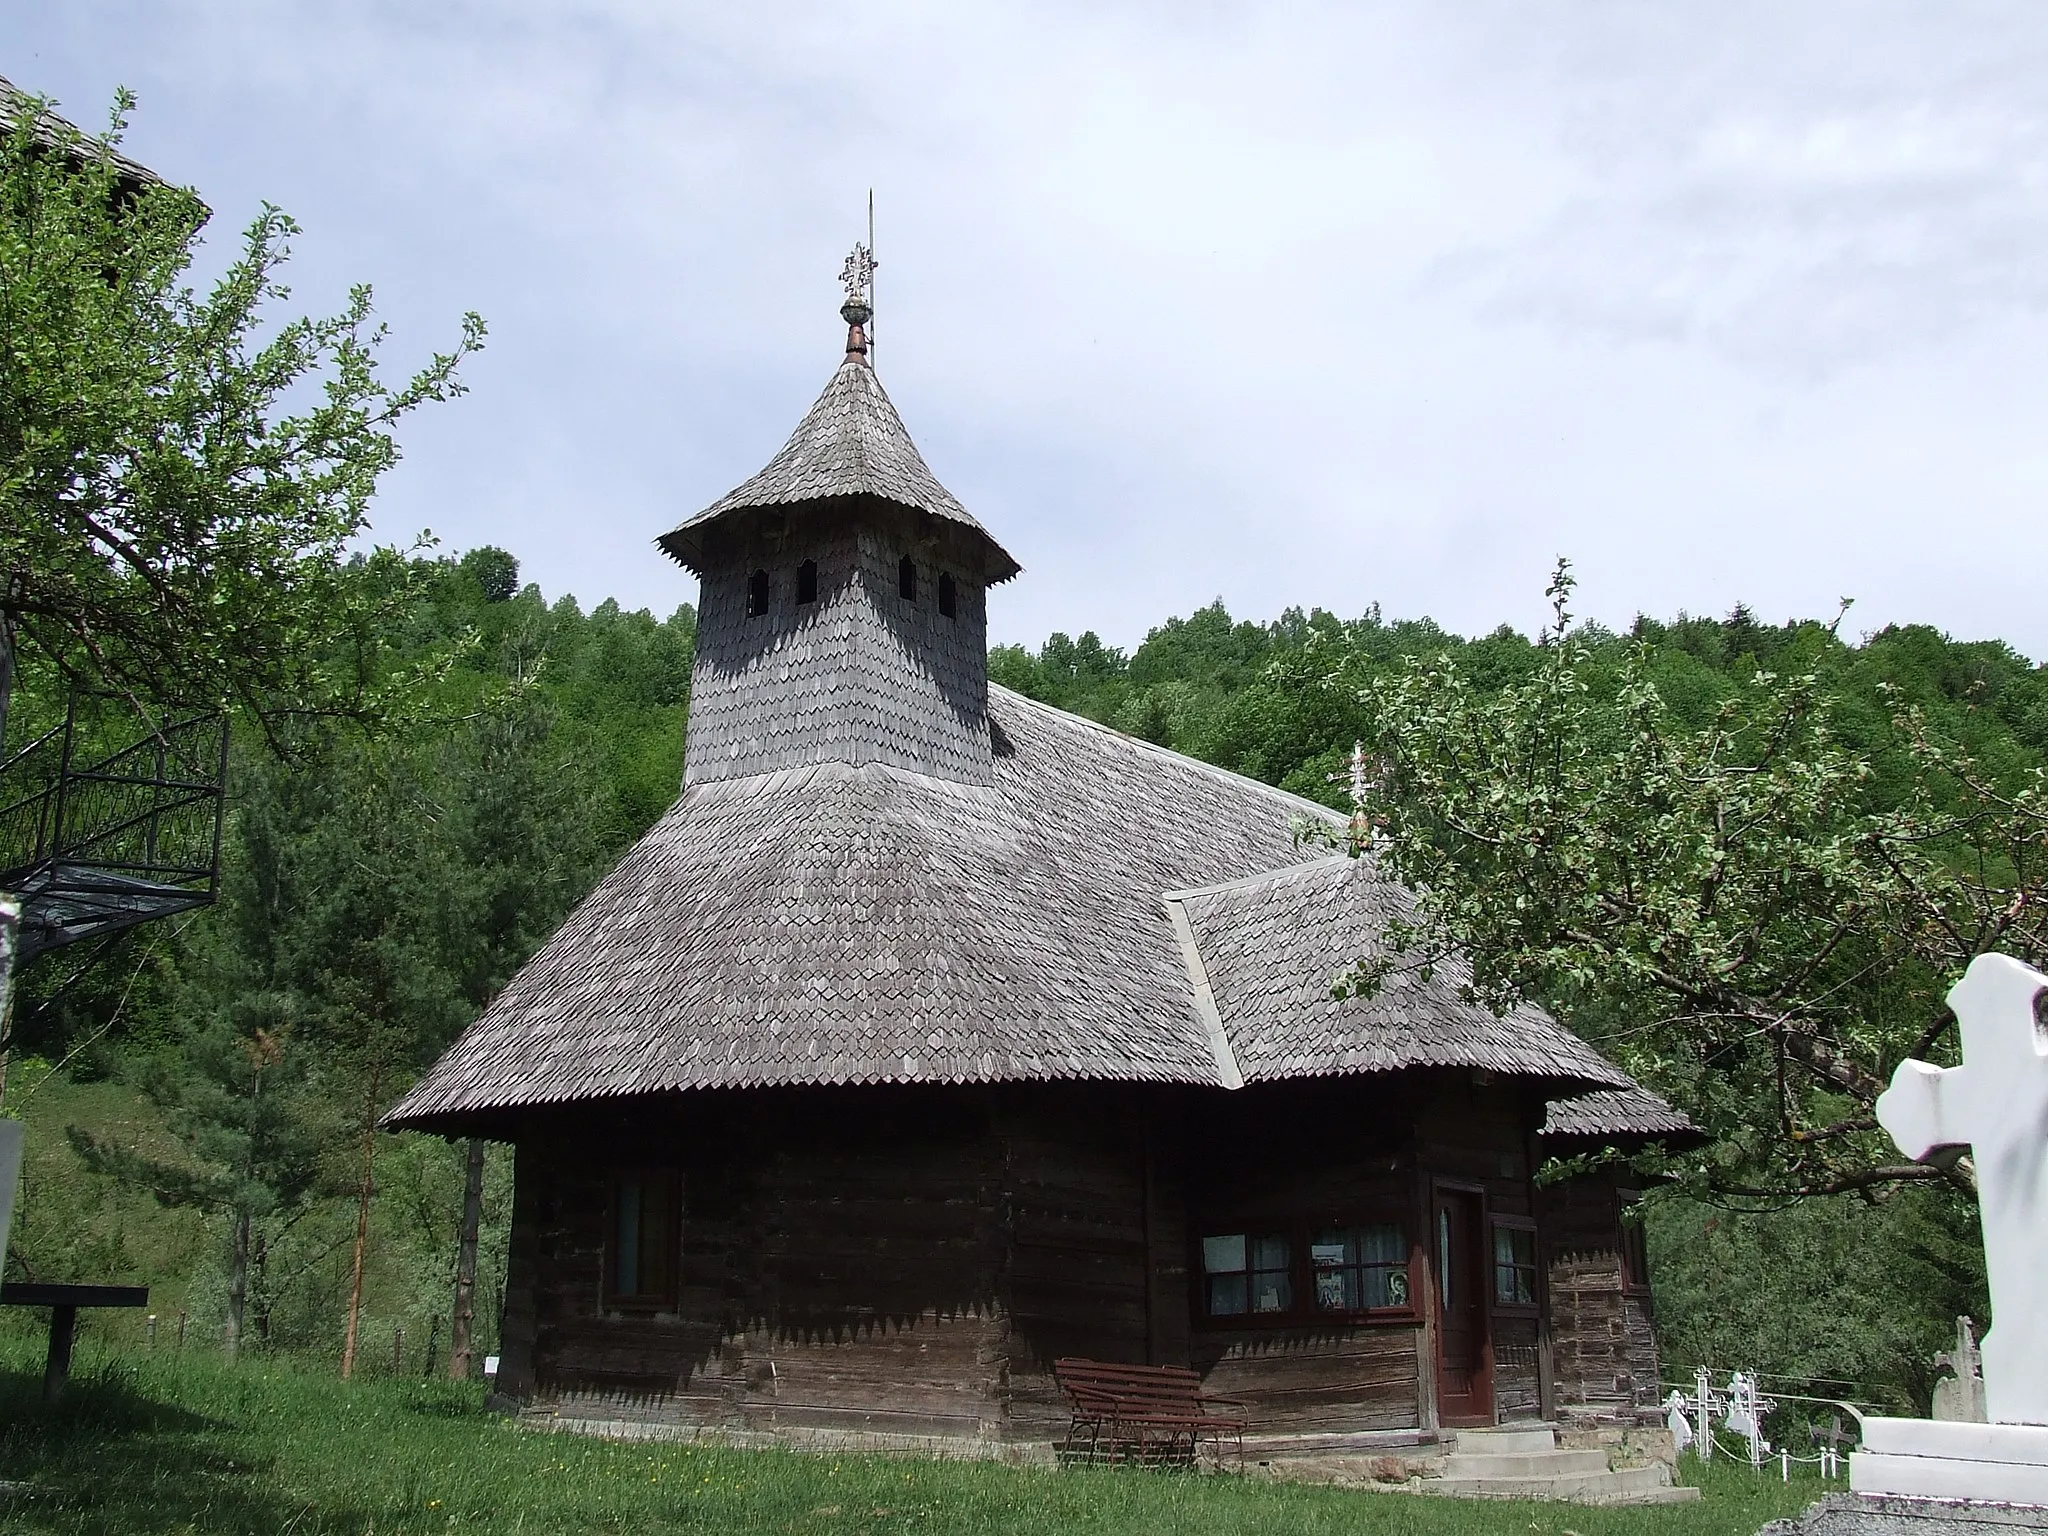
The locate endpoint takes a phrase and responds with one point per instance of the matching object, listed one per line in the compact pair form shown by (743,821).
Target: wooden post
(1546,1358)
(1147,1199)
(363,1194)
(461,1333)
(1422,1267)
(57,1365)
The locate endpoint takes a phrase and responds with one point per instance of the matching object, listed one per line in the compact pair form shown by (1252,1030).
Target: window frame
(1302,1311)
(1251,1238)
(807,583)
(1634,1248)
(906,579)
(1495,1302)
(760,595)
(949,596)
(664,1299)
(1404,1266)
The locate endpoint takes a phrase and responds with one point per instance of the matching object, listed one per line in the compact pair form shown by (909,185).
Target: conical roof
(850,443)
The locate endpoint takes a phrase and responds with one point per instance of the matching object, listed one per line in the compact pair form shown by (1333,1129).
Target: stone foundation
(1864,1514)
(1626,1445)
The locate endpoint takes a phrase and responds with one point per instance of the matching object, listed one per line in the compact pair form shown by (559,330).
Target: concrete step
(1508,1440)
(1632,1485)
(1549,1463)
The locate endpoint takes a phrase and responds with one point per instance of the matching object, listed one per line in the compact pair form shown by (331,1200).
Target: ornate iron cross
(858,275)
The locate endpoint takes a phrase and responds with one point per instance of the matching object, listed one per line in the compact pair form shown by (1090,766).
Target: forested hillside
(221,1074)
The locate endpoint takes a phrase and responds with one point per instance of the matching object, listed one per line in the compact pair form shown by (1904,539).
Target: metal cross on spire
(857,277)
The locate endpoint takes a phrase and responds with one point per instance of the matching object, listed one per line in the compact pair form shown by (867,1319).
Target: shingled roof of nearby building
(843,924)
(1621,1114)
(850,443)
(57,133)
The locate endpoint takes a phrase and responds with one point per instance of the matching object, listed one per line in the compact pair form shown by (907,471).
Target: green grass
(143,1447)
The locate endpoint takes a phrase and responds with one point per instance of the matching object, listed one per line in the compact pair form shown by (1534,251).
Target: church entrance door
(1464,1375)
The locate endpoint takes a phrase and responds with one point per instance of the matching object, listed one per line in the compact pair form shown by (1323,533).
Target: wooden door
(1464,1375)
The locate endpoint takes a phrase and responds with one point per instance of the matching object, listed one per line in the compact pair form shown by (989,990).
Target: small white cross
(1996,1103)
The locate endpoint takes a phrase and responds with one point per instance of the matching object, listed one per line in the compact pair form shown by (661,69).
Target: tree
(182,479)
(1756,918)
(495,571)
(241,1096)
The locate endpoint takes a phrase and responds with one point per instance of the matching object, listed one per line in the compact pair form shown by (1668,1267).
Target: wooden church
(935,1034)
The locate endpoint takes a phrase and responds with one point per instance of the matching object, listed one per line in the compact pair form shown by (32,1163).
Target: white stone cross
(1996,1102)
(1746,1413)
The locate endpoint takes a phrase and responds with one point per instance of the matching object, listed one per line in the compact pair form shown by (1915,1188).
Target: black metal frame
(94,849)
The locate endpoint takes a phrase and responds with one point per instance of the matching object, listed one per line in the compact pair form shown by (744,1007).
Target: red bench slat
(1141,1398)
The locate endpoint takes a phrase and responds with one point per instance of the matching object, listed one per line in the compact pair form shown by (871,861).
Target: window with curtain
(1514,1265)
(1357,1269)
(1245,1273)
(1360,1268)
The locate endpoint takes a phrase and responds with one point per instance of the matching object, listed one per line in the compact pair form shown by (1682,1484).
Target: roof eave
(685,544)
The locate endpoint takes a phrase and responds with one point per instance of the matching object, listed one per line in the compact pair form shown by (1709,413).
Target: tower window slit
(906,579)
(947,602)
(757,594)
(807,582)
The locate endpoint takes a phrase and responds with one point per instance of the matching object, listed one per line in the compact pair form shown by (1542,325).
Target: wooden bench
(64,1302)
(1155,1414)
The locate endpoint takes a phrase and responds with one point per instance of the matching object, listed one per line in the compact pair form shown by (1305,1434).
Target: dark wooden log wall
(1604,1341)
(1301,1381)
(841,1262)
(1296,1157)
(1087,1221)
(911,1261)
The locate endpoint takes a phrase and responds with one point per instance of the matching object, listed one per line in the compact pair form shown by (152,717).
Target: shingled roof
(1619,1115)
(850,443)
(1270,946)
(1083,905)
(53,132)
(864,924)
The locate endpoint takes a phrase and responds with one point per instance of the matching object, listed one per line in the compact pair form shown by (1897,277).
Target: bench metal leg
(57,1365)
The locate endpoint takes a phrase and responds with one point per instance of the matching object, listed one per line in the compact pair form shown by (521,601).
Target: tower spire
(858,278)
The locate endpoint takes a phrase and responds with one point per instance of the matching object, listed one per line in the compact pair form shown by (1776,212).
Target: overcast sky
(1287,304)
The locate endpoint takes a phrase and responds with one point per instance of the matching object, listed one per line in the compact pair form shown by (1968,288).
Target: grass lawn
(168,1446)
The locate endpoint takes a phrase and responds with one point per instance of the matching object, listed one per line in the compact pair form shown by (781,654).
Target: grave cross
(1996,1103)
(1960,1394)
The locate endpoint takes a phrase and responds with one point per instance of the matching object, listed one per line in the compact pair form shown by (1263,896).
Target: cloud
(1793,188)
(1288,303)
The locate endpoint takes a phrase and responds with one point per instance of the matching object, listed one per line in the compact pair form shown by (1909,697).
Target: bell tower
(843,615)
